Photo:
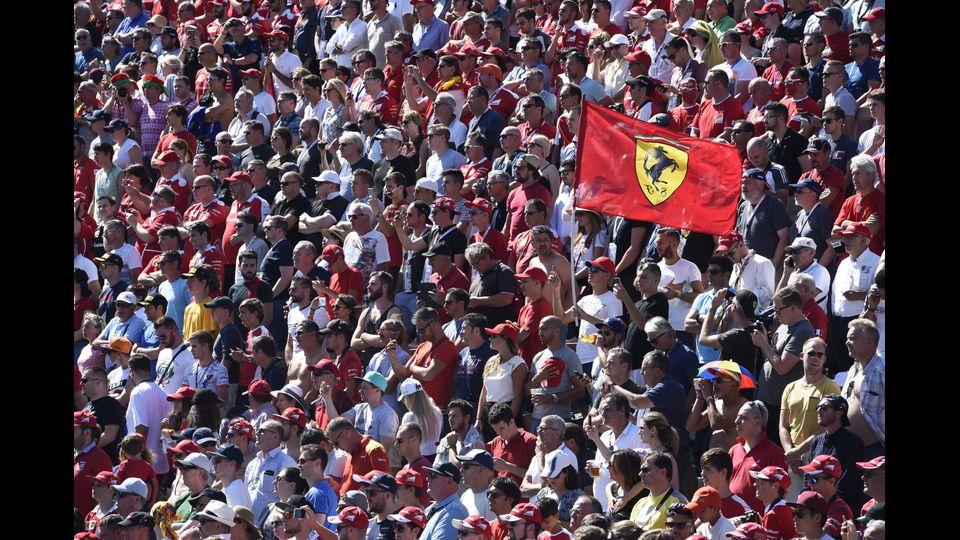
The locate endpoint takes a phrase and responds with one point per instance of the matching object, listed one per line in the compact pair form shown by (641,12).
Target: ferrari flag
(630,168)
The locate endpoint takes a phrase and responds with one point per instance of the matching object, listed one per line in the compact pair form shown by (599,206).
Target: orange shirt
(425,355)
(369,456)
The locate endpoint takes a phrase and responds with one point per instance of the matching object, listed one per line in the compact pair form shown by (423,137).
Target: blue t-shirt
(81,60)
(178,297)
(670,399)
(683,365)
(468,379)
(702,304)
(128,25)
(323,500)
(858,75)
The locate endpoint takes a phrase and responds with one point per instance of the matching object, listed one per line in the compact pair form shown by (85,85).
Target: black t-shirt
(336,206)
(451,236)
(416,261)
(621,231)
(635,339)
(262,152)
(499,218)
(240,291)
(401,164)
(109,412)
(698,249)
(737,345)
(298,206)
(268,193)
(280,254)
(276,374)
(787,151)
(229,337)
(386,531)
(497,280)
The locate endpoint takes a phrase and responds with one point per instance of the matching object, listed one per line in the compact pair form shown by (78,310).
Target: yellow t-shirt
(196,317)
(801,400)
(651,512)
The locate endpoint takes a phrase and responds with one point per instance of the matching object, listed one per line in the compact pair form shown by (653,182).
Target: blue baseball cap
(808,183)
(614,323)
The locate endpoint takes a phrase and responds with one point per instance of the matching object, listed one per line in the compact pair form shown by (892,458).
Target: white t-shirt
(211,377)
(499,382)
(629,438)
(336,463)
(718,531)
(477,504)
(428,445)
(148,406)
(265,103)
(285,64)
(685,272)
(131,260)
(87,266)
(295,316)
(603,306)
(366,252)
(743,70)
(378,423)
(173,365)
(237,493)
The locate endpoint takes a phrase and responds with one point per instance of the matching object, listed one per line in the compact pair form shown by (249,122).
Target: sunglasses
(289,183)
(714,271)
(816,354)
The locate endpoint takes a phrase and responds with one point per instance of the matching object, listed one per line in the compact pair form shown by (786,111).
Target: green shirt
(725,23)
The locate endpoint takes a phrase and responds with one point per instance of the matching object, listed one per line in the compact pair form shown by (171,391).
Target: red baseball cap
(84,419)
(703,498)
(879,462)
(491,69)
(258,387)
(534,272)
(279,34)
(85,535)
(638,56)
(223,160)
(524,512)
(295,415)
(774,474)
(183,392)
(186,446)
(482,204)
(876,13)
(445,203)
(243,428)
(351,516)
(813,501)
(770,7)
(635,11)
(505,330)
(559,365)
(410,514)
(468,50)
(332,252)
(167,156)
(326,364)
(238,176)
(604,263)
(728,240)
(750,531)
(107,478)
(252,73)
(475,524)
(415,3)
(824,464)
(857,228)
(409,477)
(493,52)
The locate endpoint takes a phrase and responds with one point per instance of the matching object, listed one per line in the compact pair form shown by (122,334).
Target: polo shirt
(759,224)
(261,471)
(519,450)
(838,512)
(859,208)
(650,512)
(369,456)
(713,117)
(778,520)
(440,518)
(847,447)
(763,454)
(86,464)
(801,399)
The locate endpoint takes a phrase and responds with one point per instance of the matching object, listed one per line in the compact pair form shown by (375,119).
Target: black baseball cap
(447,469)
(137,519)
(110,258)
(221,302)
(839,404)
(382,480)
(213,494)
(230,451)
(439,249)
(153,300)
(295,501)
(336,326)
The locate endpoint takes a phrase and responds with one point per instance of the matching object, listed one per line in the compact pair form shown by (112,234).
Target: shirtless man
(222,108)
(551,261)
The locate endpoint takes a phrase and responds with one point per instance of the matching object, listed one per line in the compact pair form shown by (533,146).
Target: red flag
(630,168)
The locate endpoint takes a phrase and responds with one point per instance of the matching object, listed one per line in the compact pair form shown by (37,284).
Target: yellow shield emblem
(661,166)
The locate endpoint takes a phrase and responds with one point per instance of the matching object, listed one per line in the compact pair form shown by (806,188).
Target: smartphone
(617,281)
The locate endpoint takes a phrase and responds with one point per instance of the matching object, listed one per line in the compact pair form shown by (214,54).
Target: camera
(729,294)
(751,517)
(122,91)
(839,246)
(299,513)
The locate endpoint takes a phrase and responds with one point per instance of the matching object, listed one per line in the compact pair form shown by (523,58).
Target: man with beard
(366,339)
(761,218)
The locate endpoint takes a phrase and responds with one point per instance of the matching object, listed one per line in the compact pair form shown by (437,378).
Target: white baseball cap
(128,297)
(390,133)
(556,461)
(426,183)
(616,40)
(196,459)
(329,177)
(132,485)
(409,386)
(219,511)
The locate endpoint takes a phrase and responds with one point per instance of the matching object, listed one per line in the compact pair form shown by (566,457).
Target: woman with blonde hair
(656,431)
(589,243)
(503,376)
(170,67)
(90,356)
(339,111)
(415,144)
(182,148)
(421,410)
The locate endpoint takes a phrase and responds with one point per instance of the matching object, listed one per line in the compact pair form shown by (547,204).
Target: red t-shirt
(733,506)
(80,307)
(611,29)
(454,278)
(681,117)
(563,128)
(341,282)
(860,208)
(426,354)
(86,466)
(877,48)
(797,107)
(712,118)
(838,47)
(517,200)
(545,129)
(138,468)
(383,104)
(562,534)
(394,83)
(256,206)
(831,178)
(519,451)
(167,138)
(369,456)
(867,506)
(764,454)
(476,171)
(779,522)
(215,214)
(814,313)
(212,256)
(83,174)
(340,400)
(153,224)
(181,188)
(503,101)
(495,239)
(838,512)
(777,79)
(499,531)
(249,369)
(575,37)
(530,316)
